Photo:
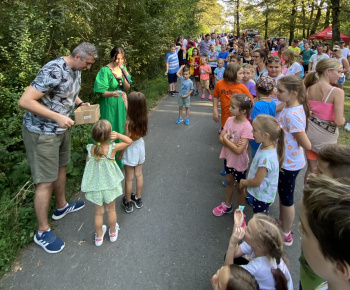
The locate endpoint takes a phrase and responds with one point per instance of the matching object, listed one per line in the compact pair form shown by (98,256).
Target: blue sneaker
(224,182)
(249,199)
(223,172)
(187,122)
(71,207)
(179,120)
(49,242)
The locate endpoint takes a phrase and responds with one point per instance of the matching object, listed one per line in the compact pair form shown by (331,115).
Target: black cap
(295,40)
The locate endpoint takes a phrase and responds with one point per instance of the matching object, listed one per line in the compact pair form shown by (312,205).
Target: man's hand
(64,121)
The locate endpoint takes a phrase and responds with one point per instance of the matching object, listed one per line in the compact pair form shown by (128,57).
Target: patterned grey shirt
(61,86)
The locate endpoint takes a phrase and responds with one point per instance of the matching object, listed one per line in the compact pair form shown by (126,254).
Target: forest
(33,32)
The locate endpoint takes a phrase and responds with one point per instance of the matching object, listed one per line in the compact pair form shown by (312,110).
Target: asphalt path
(174,241)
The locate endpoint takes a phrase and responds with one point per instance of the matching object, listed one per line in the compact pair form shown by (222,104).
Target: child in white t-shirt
(263,245)
(262,178)
(291,66)
(291,90)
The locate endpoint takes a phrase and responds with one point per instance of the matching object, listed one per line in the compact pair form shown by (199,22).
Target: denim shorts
(184,102)
(341,80)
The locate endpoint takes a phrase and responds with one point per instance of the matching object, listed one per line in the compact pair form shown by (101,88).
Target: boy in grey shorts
(185,93)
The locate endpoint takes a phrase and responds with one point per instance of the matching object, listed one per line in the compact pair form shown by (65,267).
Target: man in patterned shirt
(49,102)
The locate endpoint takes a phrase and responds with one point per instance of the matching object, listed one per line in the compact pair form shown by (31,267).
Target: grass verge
(344,136)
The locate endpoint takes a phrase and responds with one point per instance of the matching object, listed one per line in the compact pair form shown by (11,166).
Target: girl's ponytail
(311,79)
(280,279)
(98,152)
(280,147)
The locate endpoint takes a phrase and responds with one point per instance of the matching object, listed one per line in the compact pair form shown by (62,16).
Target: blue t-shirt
(173,61)
(186,86)
(302,72)
(261,107)
(223,55)
(220,73)
(251,87)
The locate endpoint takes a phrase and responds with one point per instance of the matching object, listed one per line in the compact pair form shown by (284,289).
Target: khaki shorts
(46,154)
(205,84)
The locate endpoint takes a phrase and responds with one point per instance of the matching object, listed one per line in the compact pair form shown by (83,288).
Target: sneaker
(347,127)
(99,241)
(114,237)
(288,240)
(197,93)
(175,92)
(224,183)
(179,120)
(203,96)
(137,202)
(49,242)
(71,207)
(222,209)
(210,97)
(187,122)
(172,94)
(223,172)
(127,205)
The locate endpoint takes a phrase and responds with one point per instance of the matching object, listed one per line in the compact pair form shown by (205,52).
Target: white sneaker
(99,241)
(114,237)
(347,127)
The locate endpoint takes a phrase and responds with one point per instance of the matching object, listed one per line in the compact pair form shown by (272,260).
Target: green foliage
(33,32)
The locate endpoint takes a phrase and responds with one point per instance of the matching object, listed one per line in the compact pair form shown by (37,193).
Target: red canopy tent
(327,34)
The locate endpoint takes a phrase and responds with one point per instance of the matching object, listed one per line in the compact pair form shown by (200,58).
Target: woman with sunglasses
(110,83)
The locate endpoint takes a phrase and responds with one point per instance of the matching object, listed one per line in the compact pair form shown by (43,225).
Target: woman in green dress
(110,83)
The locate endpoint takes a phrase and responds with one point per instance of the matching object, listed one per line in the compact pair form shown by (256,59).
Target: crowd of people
(286,113)
(285,103)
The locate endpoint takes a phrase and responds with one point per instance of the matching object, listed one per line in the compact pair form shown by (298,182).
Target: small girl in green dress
(102,177)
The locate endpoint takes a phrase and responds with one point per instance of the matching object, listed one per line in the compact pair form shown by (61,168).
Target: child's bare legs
(112,216)
(129,176)
(197,85)
(139,180)
(230,181)
(172,87)
(180,112)
(287,215)
(203,90)
(187,112)
(99,211)
(209,92)
(240,194)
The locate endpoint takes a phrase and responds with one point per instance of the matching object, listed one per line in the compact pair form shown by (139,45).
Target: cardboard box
(87,115)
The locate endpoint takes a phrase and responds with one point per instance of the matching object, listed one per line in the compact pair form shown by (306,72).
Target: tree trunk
(266,24)
(335,20)
(304,18)
(292,21)
(311,15)
(237,18)
(317,18)
(328,12)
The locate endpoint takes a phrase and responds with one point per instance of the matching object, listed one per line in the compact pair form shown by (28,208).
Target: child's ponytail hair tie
(98,143)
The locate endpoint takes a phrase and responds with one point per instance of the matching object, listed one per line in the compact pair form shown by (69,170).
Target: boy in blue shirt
(224,54)
(185,93)
(219,71)
(172,66)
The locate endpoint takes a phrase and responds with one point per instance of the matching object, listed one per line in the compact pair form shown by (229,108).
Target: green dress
(112,109)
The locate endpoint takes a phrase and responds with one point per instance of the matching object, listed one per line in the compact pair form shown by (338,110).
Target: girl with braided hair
(263,244)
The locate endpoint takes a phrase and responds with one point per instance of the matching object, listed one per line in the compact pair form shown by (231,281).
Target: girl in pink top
(327,107)
(234,137)
(291,90)
(205,71)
